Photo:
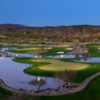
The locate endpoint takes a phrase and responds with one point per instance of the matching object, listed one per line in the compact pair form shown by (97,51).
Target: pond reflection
(43,56)
(89,60)
(64,56)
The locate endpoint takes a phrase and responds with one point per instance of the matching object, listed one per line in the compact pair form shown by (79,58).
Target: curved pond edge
(52,93)
(73,59)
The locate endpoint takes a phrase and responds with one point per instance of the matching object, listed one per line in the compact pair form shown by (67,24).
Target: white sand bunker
(60,52)
(69,49)
(98,48)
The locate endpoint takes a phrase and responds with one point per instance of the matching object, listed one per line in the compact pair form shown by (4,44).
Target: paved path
(53,93)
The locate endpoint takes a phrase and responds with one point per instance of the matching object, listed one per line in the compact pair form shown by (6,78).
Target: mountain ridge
(80,32)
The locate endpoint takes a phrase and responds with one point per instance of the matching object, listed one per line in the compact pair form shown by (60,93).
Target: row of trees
(63,77)
(78,46)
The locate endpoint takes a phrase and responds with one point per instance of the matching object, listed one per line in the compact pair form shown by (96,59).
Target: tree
(32,43)
(77,46)
(63,77)
(37,83)
(58,76)
(70,75)
(58,43)
(42,46)
(37,47)
(85,47)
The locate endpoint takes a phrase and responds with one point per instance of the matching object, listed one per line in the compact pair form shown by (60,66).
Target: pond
(13,76)
(64,56)
(89,60)
(18,54)
(43,56)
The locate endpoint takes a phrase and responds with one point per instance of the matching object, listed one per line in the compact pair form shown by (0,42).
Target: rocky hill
(70,33)
(10,26)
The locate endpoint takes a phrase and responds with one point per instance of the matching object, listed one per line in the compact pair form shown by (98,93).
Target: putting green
(28,49)
(57,65)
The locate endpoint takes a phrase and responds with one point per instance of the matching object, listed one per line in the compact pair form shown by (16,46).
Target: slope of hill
(80,32)
(10,26)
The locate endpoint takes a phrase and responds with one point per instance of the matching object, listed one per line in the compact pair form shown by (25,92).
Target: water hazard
(13,76)
(89,60)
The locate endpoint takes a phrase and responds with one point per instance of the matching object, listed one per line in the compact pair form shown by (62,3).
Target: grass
(57,65)
(24,49)
(54,51)
(8,41)
(2,46)
(4,93)
(93,49)
(35,69)
(91,92)
(20,49)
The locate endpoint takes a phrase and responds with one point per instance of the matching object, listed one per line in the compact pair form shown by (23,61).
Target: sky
(50,12)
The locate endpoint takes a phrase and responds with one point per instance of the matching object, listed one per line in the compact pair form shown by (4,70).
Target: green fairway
(35,69)
(50,51)
(24,49)
(93,49)
(48,66)
(57,65)
(28,49)
(54,50)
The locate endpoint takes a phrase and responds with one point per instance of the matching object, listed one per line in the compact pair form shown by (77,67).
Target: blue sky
(50,12)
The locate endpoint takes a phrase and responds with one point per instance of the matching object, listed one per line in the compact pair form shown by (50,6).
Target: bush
(36,91)
(21,89)
(74,86)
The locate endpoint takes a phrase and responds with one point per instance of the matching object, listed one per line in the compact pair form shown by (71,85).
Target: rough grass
(4,93)
(8,41)
(57,65)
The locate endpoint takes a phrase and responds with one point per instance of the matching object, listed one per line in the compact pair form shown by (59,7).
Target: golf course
(48,66)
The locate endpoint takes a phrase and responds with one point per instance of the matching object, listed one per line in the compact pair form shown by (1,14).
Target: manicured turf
(91,92)
(57,65)
(27,49)
(93,49)
(35,69)
(54,51)
(24,49)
